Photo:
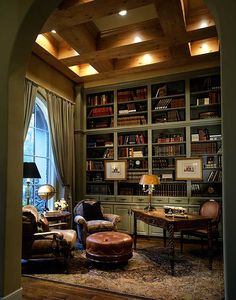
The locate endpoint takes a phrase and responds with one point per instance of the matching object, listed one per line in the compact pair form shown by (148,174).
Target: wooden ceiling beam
(80,12)
(54,62)
(171,18)
(133,49)
(207,60)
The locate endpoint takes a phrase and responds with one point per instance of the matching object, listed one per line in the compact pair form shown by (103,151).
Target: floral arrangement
(61,204)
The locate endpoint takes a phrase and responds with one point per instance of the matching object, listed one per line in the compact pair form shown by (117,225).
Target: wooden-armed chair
(39,242)
(209,208)
(89,218)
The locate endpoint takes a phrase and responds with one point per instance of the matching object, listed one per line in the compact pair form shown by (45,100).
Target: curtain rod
(39,85)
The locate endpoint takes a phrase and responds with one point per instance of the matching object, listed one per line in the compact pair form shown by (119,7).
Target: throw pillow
(92,211)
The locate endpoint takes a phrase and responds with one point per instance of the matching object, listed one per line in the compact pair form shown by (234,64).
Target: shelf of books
(99,148)
(133,146)
(167,145)
(205,97)
(168,102)
(100,110)
(206,142)
(132,106)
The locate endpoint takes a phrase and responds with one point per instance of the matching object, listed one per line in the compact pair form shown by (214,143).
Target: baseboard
(17,295)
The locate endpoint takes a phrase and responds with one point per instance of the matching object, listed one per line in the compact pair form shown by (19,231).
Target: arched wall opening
(18,41)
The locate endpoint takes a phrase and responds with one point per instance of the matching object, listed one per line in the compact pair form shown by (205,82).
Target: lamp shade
(30,170)
(149,179)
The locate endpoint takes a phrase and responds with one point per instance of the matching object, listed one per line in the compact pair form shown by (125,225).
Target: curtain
(61,123)
(29,100)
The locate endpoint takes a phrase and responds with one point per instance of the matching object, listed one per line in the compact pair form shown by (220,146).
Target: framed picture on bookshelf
(116,170)
(188,169)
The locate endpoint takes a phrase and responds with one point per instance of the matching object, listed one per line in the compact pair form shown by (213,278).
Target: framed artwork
(116,170)
(188,169)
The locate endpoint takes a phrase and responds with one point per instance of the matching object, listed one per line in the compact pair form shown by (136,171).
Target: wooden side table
(58,217)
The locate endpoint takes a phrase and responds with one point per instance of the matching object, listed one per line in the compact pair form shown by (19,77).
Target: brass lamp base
(149,207)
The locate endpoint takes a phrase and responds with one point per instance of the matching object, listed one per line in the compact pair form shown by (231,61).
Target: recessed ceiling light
(137,39)
(123,12)
(203,24)
(53,31)
(147,59)
(205,47)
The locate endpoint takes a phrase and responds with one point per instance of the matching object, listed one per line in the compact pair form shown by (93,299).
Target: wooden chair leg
(164,237)
(181,241)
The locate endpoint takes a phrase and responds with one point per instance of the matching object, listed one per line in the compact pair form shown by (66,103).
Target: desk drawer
(107,198)
(140,199)
(124,199)
(178,201)
(160,201)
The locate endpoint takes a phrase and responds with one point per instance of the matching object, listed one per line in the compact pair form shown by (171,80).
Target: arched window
(37,148)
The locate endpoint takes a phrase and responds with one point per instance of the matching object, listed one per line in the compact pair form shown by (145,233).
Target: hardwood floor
(44,290)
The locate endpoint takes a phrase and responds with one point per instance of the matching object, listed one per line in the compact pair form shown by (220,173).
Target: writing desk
(171,225)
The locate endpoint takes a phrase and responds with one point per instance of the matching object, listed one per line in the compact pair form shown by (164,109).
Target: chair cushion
(92,211)
(99,225)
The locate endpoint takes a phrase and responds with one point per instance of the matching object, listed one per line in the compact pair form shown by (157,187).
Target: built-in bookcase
(168,102)
(205,97)
(100,110)
(150,125)
(99,147)
(132,106)
(206,142)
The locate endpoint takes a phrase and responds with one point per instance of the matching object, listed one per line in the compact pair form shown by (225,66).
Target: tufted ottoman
(109,247)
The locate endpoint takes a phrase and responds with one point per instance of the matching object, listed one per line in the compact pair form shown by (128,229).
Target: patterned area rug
(146,275)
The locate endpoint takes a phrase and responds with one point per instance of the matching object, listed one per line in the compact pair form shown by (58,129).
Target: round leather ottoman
(109,247)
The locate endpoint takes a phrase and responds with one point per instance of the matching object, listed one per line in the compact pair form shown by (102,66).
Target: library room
(119,143)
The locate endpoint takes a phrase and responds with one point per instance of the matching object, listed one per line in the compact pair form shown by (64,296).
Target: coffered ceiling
(93,42)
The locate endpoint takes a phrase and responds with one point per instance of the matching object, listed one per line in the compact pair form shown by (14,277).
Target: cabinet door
(124,212)
(107,208)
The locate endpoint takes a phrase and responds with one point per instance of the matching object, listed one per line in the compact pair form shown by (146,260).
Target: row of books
(168,150)
(99,189)
(204,148)
(131,139)
(134,176)
(100,111)
(171,189)
(133,94)
(93,100)
(92,165)
(213,98)
(169,138)
(131,152)
(215,175)
(100,123)
(108,153)
(169,116)
(161,163)
(132,120)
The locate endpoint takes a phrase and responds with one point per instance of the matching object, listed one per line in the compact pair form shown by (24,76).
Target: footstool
(109,247)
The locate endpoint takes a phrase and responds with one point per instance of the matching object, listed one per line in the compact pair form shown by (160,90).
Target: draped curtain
(61,122)
(29,100)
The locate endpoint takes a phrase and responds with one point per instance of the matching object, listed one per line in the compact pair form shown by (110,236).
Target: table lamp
(149,180)
(46,192)
(30,171)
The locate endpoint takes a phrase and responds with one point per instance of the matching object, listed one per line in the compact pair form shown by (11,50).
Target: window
(37,148)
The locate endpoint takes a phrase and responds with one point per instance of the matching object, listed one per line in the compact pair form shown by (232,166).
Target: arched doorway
(18,40)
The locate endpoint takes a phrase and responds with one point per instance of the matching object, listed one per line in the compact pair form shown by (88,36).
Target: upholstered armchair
(89,219)
(39,242)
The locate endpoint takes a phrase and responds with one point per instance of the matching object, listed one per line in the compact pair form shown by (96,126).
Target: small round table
(109,247)
(56,216)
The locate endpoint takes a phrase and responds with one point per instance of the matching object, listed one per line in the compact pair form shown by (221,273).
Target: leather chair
(39,242)
(89,218)
(209,208)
